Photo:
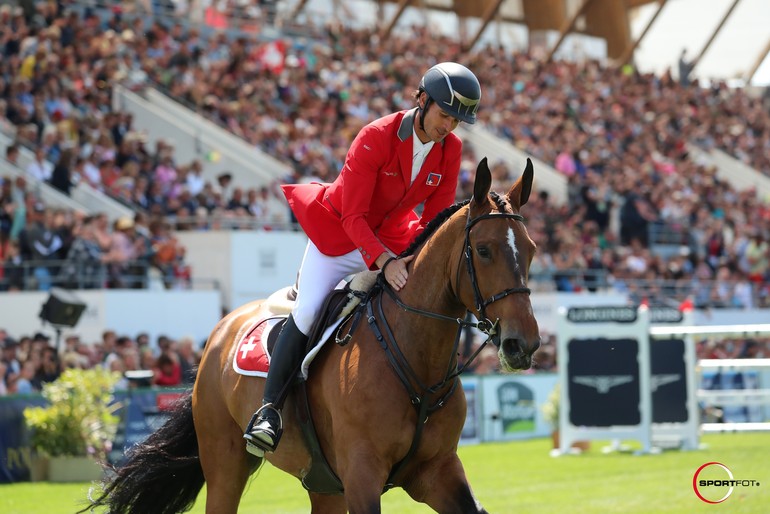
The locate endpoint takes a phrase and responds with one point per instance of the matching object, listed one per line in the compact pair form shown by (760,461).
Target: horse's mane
(500,201)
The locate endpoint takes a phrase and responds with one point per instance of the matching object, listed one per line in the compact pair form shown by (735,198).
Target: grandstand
(144,144)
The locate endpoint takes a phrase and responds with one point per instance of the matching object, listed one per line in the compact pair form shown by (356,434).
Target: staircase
(82,197)
(496,149)
(736,173)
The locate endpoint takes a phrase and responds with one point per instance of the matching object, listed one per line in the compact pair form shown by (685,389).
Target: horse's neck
(423,339)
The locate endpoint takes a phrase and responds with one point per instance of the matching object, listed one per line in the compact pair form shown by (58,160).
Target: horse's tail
(162,475)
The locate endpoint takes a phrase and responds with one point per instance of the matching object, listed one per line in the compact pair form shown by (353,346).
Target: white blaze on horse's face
(512,244)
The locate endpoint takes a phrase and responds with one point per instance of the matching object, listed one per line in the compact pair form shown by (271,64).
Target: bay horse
(378,424)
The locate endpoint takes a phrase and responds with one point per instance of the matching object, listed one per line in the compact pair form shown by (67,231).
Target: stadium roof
(728,39)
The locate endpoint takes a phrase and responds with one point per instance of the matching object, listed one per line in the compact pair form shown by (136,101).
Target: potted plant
(76,429)
(550,410)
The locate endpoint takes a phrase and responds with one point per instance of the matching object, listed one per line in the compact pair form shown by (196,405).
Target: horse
(385,404)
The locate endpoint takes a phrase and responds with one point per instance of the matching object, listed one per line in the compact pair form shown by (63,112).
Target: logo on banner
(603,383)
(713,482)
(657,381)
(620,314)
(517,407)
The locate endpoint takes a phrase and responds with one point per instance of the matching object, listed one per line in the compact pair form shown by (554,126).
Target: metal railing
(41,275)
(714,294)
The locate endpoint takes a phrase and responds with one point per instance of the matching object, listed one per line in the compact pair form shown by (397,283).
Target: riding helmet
(454,88)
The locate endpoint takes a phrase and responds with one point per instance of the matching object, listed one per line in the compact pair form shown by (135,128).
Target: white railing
(82,197)
(51,196)
(195,137)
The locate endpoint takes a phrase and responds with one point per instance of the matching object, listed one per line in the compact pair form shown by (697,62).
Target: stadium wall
(166,312)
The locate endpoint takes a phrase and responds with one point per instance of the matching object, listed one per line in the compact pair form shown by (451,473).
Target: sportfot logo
(713,482)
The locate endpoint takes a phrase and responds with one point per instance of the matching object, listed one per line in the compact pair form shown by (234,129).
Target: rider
(366,216)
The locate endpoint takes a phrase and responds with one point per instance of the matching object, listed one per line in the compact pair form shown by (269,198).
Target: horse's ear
(519,193)
(483,183)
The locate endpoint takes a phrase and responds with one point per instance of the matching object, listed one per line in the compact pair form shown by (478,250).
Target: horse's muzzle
(516,353)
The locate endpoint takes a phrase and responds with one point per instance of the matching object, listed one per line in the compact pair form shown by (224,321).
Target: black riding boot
(266,425)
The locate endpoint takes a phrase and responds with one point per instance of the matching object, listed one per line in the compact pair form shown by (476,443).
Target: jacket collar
(407,125)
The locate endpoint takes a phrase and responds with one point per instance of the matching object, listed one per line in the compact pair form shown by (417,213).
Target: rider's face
(438,124)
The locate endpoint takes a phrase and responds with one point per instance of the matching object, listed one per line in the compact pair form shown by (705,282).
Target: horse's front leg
(363,477)
(443,486)
(326,504)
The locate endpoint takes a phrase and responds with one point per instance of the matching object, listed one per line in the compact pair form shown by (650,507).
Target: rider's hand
(396,273)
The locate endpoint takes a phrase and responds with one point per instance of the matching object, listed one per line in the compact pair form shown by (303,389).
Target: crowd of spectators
(65,248)
(27,363)
(619,136)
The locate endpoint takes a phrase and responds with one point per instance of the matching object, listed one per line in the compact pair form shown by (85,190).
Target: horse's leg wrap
(266,425)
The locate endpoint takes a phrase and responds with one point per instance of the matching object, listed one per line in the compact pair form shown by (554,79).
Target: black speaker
(62,308)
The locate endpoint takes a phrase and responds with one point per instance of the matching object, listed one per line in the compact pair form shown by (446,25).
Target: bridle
(418,395)
(485,324)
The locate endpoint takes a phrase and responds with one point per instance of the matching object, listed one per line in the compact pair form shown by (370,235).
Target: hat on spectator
(9,342)
(124,223)
(39,336)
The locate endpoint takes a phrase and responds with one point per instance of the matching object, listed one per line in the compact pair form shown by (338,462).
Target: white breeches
(318,275)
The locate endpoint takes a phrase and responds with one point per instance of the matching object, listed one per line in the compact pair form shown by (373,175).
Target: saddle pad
(251,355)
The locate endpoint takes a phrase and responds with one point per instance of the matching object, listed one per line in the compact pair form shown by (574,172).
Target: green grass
(514,477)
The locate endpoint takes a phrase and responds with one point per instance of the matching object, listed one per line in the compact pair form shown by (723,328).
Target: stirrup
(256,446)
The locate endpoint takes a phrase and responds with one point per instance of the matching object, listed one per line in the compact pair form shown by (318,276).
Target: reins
(418,396)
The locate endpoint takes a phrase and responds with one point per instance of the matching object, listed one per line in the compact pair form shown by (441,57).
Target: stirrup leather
(257,446)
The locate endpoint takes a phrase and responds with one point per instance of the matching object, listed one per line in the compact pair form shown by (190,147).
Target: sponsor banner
(472,429)
(144,412)
(512,406)
(603,372)
(668,381)
(15,453)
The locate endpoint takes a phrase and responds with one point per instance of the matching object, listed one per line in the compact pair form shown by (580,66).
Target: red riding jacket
(370,206)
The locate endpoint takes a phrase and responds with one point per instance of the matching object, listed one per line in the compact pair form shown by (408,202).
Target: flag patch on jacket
(433,179)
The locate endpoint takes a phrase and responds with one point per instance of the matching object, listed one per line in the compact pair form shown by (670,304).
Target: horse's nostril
(511,346)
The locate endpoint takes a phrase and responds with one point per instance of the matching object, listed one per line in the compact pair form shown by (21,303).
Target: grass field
(515,477)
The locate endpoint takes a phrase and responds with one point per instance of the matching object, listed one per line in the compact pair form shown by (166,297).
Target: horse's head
(498,253)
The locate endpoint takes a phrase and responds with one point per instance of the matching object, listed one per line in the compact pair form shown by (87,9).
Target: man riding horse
(366,216)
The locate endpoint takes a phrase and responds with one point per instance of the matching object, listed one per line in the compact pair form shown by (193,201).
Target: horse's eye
(483,252)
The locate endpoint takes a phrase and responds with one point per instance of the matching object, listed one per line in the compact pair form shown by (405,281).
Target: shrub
(79,419)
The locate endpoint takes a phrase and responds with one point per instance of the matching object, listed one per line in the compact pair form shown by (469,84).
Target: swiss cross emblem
(248,346)
(433,179)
